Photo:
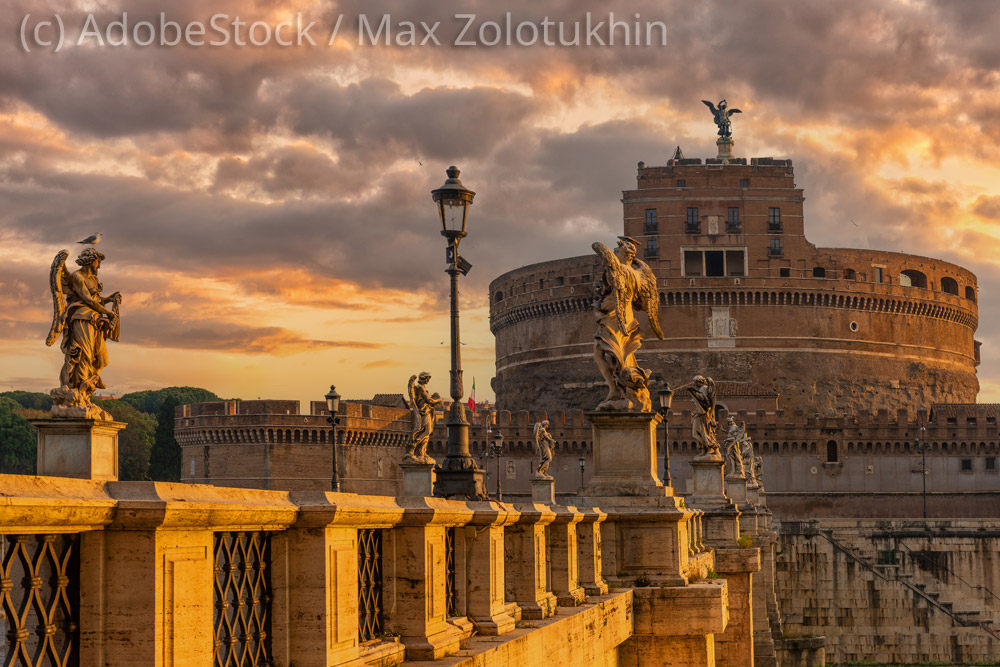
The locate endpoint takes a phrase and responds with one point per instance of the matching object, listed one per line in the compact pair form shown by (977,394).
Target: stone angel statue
(628,285)
(722,115)
(703,424)
(423,409)
(543,447)
(746,452)
(81,317)
(735,435)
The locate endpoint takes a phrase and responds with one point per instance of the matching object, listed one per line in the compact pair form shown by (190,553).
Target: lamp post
(922,448)
(458,475)
(333,404)
(583,463)
(496,448)
(666,396)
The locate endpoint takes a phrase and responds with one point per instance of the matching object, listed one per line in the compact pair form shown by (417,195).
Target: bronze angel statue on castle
(85,323)
(722,115)
(628,285)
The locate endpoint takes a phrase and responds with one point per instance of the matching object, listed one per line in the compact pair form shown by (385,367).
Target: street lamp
(333,404)
(666,396)
(583,463)
(922,448)
(458,474)
(496,448)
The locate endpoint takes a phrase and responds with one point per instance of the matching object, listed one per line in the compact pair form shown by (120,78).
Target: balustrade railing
(40,600)
(242,599)
(451,589)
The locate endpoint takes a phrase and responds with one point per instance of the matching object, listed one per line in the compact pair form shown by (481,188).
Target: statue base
(543,490)
(418,479)
(725,145)
(709,483)
(624,455)
(736,489)
(80,448)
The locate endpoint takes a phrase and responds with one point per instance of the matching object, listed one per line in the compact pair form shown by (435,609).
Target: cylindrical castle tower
(745,297)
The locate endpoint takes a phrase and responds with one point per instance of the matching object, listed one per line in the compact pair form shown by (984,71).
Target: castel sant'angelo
(745,298)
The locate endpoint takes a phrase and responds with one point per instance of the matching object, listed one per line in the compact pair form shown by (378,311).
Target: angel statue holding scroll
(703,424)
(85,323)
(628,285)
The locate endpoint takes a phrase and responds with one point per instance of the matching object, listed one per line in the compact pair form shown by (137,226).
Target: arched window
(849,274)
(819,272)
(970,293)
(913,278)
(949,285)
(832,455)
(498,296)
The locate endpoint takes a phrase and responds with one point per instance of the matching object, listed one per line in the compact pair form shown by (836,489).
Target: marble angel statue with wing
(628,285)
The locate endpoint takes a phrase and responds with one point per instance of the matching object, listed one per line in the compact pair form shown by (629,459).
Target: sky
(266,209)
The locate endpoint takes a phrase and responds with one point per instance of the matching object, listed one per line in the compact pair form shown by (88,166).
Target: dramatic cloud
(266,201)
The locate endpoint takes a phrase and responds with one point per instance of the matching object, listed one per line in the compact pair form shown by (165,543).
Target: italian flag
(472,397)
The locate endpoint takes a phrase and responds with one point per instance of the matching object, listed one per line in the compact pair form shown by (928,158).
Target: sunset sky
(266,210)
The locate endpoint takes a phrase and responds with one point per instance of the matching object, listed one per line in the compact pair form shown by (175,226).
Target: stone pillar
(721,518)
(527,558)
(590,563)
(485,603)
(82,448)
(734,647)
(563,552)
(725,145)
(418,479)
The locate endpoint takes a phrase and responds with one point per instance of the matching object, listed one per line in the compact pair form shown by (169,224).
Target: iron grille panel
(369,584)
(449,559)
(242,609)
(40,600)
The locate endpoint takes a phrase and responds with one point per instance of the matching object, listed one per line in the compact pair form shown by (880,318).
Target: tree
(165,459)
(151,400)
(135,442)
(18,440)
(30,400)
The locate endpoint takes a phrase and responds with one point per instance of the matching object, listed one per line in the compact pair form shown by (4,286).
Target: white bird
(93,239)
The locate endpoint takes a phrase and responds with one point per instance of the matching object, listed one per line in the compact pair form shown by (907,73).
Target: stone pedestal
(736,489)
(527,555)
(753,494)
(82,448)
(624,455)
(734,647)
(418,479)
(543,490)
(485,602)
(725,145)
(709,485)
(590,560)
(564,557)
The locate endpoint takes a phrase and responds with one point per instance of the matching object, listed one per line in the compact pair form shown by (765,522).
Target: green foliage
(31,400)
(151,400)
(642,581)
(18,440)
(135,442)
(711,574)
(165,458)
(745,541)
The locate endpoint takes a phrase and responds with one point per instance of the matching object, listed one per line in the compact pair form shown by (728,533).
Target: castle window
(560,281)
(693,263)
(735,263)
(774,219)
(913,278)
(970,293)
(744,182)
(832,455)
(784,272)
(691,223)
(966,465)
(715,263)
(651,248)
(819,272)
(650,225)
(879,274)
(541,284)
(585,278)
(498,296)
(949,285)
(733,222)
(849,274)
(990,463)
(681,183)
(774,249)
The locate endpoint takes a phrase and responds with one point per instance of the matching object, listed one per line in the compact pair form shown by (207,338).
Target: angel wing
(647,296)
(538,426)
(711,390)
(613,265)
(57,274)
(710,106)
(732,111)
